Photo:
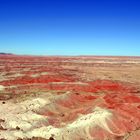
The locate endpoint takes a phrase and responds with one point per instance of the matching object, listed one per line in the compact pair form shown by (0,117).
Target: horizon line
(67,55)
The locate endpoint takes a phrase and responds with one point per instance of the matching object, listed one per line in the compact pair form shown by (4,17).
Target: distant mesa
(2,53)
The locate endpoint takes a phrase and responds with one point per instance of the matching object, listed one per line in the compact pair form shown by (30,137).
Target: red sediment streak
(138,106)
(47,113)
(132,99)
(95,86)
(108,85)
(41,79)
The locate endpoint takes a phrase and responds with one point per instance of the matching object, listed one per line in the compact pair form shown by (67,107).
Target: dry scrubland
(69,98)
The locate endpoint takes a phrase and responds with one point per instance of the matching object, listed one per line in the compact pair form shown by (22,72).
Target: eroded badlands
(69,98)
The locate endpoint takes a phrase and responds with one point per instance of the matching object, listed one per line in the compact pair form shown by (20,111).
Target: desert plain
(69,97)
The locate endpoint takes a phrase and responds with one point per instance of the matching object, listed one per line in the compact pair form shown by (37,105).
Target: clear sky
(70,27)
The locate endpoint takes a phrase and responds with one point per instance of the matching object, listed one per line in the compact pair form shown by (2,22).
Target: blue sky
(70,27)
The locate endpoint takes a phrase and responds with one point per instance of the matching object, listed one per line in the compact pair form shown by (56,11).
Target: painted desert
(69,98)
